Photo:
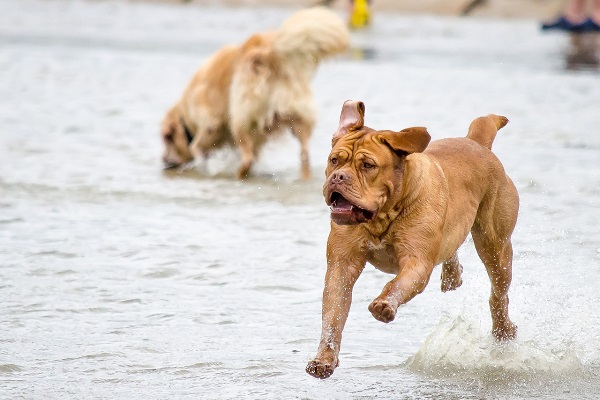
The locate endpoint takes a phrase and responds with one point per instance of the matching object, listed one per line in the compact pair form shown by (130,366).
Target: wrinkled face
(361,176)
(176,142)
(365,167)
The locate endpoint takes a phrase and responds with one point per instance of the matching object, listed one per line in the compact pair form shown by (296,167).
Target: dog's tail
(483,129)
(310,35)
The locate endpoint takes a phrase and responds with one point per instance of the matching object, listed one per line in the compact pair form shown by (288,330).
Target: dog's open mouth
(343,212)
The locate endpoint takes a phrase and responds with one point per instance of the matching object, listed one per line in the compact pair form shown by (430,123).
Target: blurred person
(576,17)
(583,53)
(359,12)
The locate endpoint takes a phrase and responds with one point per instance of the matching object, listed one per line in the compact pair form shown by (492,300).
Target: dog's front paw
(321,369)
(383,310)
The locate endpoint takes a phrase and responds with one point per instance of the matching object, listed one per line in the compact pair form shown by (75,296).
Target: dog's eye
(367,165)
(333,160)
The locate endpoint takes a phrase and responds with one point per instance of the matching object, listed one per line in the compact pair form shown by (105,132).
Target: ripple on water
(261,369)
(205,364)
(93,310)
(162,273)
(9,220)
(53,253)
(92,356)
(149,350)
(176,369)
(9,368)
(65,272)
(131,301)
(198,277)
(276,288)
(208,366)
(216,320)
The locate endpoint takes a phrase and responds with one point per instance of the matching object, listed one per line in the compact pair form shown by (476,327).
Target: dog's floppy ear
(409,140)
(351,118)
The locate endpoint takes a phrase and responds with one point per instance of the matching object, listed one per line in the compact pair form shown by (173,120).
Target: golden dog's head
(176,140)
(366,167)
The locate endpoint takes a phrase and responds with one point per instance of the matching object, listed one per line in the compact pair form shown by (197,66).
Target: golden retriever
(244,94)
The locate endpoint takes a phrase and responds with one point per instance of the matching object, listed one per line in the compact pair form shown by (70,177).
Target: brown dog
(405,206)
(245,94)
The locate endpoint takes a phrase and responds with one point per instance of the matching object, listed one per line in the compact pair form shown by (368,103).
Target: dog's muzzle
(343,212)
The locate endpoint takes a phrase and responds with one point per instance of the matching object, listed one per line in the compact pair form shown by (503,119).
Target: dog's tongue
(341,205)
(345,213)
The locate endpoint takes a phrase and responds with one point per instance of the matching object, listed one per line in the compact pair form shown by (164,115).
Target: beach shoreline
(490,8)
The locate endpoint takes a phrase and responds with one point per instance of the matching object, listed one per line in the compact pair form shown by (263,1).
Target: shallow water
(120,281)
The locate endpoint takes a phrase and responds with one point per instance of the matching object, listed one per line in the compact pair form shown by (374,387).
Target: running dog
(405,205)
(245,94)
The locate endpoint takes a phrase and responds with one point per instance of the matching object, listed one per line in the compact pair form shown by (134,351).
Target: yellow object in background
(360,15)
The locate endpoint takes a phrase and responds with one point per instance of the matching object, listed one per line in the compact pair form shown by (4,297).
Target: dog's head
(365,168)
(176,140)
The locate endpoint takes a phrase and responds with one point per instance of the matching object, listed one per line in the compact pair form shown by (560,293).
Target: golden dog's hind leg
(244,140)
(451,274)
(302,130)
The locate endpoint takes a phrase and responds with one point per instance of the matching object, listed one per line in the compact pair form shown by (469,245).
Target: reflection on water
(583,52)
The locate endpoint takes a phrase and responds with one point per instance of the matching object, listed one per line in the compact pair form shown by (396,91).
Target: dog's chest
(382,256)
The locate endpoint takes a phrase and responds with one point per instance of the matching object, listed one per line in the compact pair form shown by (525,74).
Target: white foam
(459,347)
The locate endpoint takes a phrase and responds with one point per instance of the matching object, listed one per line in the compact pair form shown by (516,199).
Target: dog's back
(478,187)
(470,159)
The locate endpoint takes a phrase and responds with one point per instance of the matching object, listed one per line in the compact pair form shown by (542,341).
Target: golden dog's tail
(483,129)
(310,35)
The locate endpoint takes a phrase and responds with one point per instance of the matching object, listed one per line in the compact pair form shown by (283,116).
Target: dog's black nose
(168,164)
(340,176)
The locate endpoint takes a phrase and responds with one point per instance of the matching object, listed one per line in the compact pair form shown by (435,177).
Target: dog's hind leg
(451,274)
(243,139)
(497,258)
(302,130)
(491,234)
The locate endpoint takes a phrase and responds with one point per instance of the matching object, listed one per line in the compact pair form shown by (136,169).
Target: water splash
(459,347)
